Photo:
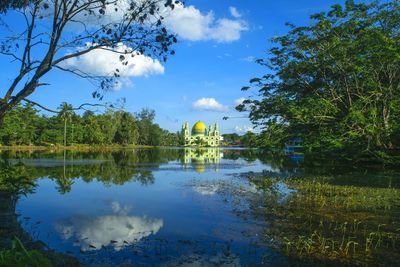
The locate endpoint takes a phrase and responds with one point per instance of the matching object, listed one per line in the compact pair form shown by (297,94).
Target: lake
(198,207)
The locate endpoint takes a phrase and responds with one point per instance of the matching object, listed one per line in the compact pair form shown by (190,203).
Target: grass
(325,224)
(19,256)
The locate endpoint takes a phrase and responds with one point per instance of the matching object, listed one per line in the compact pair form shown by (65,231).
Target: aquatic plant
(19,256)
(326,224)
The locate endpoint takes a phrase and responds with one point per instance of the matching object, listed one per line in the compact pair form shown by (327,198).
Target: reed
(323,223)
(19,256)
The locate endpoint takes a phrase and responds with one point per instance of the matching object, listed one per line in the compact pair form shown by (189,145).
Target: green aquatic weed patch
(324,224)
(19,256)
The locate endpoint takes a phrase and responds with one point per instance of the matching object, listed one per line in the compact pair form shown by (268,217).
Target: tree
(249,139)
(65,114)
(11,4)
(146,114)
(109,122)
(335,83)
(20,126)
(23,126)
(231,139)
(60,30)
(155,135)
(145,119)
(126,132)
(93,133)
(51,131)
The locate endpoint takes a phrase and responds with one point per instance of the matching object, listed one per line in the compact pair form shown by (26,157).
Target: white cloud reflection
(119,230)
(196,260)
(206,189)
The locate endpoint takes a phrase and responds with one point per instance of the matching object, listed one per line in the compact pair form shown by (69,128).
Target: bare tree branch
(82,106)
(47,30)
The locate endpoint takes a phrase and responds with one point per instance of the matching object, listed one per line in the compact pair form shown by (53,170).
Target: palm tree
(65,114)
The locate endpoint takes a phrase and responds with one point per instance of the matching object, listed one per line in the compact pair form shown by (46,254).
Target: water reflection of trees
(277,161)
(111,168)
(286,166)
(19,171)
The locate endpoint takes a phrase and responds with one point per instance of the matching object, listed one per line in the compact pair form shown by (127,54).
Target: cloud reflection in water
(119,230)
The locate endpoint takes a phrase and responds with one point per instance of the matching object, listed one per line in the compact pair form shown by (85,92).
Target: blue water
(169,210)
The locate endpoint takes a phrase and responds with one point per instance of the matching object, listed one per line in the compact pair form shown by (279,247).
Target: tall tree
(249,139)
(66,115)
(126,132)
(21,126)
(93,133)
(59,30)
(145,119)
(336,82)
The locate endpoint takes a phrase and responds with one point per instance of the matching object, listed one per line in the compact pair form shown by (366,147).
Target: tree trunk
(386,124)
(3,110)
(65,132)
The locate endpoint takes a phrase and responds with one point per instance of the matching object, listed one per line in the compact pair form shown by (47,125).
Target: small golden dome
(200,168)
(199,128)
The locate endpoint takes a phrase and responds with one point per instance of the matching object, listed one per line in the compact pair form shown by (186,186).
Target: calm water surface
(169,207)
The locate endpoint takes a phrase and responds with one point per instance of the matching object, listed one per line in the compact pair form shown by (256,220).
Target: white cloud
(103,62)
(249,59)
(234,12)
(118,209)
(189,23)
(242,129)
(186,21)
(83,20)
(239,101)
(209,104)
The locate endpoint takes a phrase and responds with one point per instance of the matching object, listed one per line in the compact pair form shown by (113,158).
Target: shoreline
(74,147)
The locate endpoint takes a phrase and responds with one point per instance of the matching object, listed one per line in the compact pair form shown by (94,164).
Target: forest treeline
(24,125)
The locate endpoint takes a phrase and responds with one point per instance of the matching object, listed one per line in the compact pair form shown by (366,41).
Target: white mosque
(200,136)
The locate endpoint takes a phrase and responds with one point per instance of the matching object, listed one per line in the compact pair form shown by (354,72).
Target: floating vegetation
(324,224)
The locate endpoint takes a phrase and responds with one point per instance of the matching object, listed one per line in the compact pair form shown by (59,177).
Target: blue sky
(203,80)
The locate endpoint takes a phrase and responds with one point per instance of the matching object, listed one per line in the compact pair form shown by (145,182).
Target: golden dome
(199,128)
(200,168)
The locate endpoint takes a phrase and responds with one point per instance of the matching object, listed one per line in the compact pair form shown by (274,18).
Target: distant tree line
(248,139)
(24,125)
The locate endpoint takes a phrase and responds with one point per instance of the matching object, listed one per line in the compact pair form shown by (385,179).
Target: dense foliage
(5,5)
(25,126)
(335,83)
